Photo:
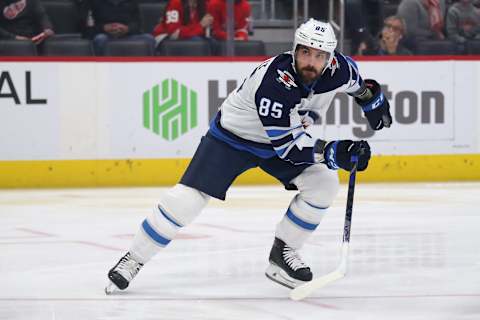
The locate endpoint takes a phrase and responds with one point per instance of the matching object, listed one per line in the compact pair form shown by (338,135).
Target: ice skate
(122,273)
(286,266)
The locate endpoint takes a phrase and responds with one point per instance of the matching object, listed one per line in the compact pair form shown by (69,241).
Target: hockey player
(262,124)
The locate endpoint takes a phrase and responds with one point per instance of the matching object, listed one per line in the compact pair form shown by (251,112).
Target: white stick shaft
(306,289)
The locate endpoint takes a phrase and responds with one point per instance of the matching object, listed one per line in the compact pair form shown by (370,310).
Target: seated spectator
(389,42)
(357,29)
(85,17)
(424,19)
(24,20)
(242,11)
(115,19)
(463,22)
(184,19)
(284,9)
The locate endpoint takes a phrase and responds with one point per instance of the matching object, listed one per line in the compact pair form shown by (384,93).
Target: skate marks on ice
(412,256)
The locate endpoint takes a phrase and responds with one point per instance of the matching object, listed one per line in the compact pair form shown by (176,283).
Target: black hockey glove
(377,108)
(338,154)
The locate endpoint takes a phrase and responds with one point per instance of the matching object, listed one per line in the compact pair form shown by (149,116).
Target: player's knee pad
(318,185)
(304,214)
(182,204)
(176,208)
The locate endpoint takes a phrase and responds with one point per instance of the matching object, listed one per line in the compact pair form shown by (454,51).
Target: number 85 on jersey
(269,109)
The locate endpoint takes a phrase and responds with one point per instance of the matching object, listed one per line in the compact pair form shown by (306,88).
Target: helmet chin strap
(327,66)
(329,62)
(293,61)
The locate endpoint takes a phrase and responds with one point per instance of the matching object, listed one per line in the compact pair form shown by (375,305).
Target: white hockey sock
(177,208)
(299,222)
(142,248)
(155,233)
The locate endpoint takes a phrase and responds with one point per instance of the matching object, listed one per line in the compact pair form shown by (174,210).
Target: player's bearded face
(310,62)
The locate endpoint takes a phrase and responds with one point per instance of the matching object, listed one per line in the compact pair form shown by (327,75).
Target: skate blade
(276,274)
(110,288)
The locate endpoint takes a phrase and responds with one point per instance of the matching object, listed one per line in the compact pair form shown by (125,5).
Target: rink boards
(115,122)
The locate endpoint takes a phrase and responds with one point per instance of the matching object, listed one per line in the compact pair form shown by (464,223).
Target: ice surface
(414,254)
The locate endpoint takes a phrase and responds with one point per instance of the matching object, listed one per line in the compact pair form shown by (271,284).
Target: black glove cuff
(318,149)
(377,98)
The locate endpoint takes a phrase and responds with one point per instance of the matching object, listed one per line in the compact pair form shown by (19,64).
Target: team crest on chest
(286,78)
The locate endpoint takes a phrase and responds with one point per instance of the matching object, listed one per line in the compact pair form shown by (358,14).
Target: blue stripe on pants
(299,222)
(154,234)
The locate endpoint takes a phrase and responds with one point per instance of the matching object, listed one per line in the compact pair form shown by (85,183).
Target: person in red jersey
(218,9)
(184,19)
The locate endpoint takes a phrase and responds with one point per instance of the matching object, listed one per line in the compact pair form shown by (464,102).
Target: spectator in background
(24,20)
(389,40)
(358,13)
(85,17)
(284,9)
(115,19)
(424,19)
(463,22)
(184,19)
(242,11)
(357,28)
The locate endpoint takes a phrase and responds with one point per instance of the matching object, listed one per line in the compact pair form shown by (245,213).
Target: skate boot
(286,266)
(122,273)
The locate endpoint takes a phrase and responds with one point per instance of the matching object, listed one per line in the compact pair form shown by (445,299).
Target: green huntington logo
(170,109)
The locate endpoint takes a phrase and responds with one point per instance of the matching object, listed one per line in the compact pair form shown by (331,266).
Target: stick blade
(308,288)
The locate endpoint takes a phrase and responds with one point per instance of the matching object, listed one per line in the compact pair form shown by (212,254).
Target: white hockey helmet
(318,35)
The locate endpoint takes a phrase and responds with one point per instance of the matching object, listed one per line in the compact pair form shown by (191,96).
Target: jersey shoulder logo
(334,65)
(286,78)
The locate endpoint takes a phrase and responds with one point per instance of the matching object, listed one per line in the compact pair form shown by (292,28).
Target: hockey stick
(307,289)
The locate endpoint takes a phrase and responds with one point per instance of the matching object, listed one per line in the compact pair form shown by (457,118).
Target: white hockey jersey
(264,114)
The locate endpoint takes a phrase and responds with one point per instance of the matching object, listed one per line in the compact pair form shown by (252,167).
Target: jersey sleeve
(276,109)
(355,81)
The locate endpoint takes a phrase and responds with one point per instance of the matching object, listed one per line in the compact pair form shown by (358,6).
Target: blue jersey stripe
(281,152)
(154,234)
(287,143)
(352,63)
(239,145)
(277,132)
(299,222)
